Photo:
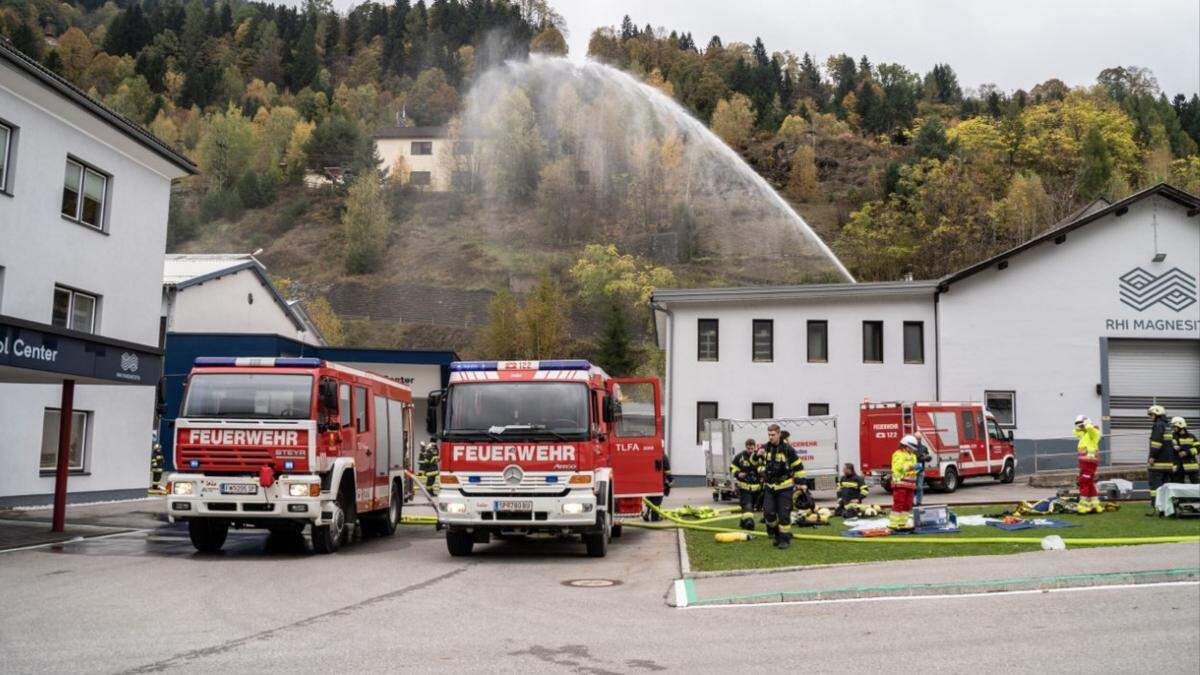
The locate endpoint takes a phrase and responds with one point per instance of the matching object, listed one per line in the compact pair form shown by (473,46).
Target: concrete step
(1067,478)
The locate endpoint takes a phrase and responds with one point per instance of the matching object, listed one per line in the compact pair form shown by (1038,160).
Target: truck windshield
(249,395)
(518,408)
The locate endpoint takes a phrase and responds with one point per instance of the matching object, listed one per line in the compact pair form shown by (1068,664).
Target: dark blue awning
(41,354)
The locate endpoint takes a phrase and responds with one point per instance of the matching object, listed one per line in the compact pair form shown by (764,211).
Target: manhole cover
(591,583)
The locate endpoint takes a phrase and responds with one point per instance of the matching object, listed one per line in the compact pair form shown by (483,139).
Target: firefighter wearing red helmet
(904,480)
(1088,450)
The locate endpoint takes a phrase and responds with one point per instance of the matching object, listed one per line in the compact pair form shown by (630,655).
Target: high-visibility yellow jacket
(904,468)
(1089,441)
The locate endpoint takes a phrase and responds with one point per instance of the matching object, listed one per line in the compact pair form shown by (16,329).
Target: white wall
(390,149)
(790,382)
(222,306)
(1035,327)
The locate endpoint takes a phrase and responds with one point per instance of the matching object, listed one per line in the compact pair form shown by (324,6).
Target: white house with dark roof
(1099,315)
(434,161)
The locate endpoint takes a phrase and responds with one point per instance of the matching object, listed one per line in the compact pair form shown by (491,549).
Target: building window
(705,410)
(818,409)
(420,178)
(763,348)
(914,342)
(818,342)
(872,342)
(422,148)
(360,409)
(708,342)
(1002,404)
(84,192)
(344,405)
(762,411)
(74,310)
(6,142)
(79,429)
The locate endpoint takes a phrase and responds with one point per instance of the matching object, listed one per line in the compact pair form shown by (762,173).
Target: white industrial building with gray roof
(1097,316)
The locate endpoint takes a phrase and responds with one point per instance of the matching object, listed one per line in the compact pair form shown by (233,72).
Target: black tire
(597,540)
(1008,473)
(329,538)
(384,524)
(208,534)
(459,543)
(616,532)
(950,480)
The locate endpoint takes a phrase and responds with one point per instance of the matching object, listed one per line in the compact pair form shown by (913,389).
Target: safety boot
(783,541)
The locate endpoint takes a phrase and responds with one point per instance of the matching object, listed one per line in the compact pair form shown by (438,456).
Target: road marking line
(944,596)
(75,540)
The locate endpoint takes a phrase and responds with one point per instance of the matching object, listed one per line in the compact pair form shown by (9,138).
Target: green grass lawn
(1131,521)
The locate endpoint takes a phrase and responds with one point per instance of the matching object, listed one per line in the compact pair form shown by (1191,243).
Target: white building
(229,293)
(434,161)
(84,196)
(1097,316)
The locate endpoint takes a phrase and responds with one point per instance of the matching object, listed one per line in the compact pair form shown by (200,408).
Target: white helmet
(1178,422)
(910,442)
(1156,410)
(1081,420)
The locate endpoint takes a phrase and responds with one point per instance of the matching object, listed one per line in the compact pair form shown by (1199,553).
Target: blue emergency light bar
(258,361)
(560,364)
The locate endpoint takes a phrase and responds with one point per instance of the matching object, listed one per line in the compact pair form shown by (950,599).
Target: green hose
(1110,541)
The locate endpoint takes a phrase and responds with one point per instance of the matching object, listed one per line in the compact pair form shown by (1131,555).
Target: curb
(685,562)
(685,595)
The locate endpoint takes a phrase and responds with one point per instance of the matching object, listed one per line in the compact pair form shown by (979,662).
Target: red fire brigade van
(963,438)
(281,443)
(544,447)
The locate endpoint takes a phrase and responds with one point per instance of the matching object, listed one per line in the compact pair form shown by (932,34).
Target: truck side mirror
(431,412)
(328,397)
(610,409)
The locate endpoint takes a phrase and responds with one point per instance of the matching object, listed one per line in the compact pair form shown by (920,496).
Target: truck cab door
(635,438)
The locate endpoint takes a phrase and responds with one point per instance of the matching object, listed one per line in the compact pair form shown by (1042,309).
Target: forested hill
(900,171)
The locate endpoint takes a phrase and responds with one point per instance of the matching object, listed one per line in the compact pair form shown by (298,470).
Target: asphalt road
(146,602)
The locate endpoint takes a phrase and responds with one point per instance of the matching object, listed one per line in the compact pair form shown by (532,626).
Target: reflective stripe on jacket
(1089,441)
(751,465)
(904,468)
(782,466)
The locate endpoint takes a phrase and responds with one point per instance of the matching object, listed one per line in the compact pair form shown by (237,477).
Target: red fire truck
(963,438)
(281,443)
(544,447)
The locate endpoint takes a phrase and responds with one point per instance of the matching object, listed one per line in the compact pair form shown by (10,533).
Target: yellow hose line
(916,539)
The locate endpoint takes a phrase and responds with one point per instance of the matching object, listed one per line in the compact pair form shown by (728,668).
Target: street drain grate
(591,583)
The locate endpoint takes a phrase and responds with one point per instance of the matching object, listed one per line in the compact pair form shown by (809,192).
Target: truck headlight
(456,507)
(572,508)
(300,489)
(183,489)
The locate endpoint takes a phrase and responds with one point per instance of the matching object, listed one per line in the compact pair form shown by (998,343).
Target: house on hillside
(432,159)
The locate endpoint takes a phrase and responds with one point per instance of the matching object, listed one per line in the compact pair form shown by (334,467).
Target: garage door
(1142,373)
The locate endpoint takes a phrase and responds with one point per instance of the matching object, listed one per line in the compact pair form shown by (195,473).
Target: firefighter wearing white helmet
(904,480)
(1187,452)
(1160,463)
(1088,451)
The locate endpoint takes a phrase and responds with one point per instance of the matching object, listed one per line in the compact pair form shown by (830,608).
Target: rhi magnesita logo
(129,362)
(1174,289)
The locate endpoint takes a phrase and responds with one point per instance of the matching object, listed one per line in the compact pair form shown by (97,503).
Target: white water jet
(640,152)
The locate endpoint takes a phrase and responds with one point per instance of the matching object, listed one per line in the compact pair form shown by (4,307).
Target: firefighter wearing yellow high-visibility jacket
(1187,452)
(1088,452)
(904,480)
(746,469)
(1160,464)
(781,469)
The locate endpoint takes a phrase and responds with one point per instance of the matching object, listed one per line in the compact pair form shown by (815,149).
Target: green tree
(733,120)
(932,142)
(512,159)
(227,148)
(802,179)
(327,321)
(1096,169)
(432,100)
(27,41)
(615,353)
(338,142)
(550,41)
(365,225)
(305,63)
(544,320)
(500,337)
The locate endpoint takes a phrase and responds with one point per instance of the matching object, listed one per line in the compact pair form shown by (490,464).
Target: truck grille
(224,459)
(494,485)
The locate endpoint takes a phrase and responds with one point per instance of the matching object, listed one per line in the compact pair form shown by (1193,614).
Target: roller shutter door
(1142,373)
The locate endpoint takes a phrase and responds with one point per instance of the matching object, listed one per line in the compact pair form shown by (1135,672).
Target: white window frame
(77,217)
(6,157)
(84,444)
(71,308)
(1000,393)
(716,340)
(412,149)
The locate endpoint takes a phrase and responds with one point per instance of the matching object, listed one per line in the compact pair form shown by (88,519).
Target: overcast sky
(1011,43)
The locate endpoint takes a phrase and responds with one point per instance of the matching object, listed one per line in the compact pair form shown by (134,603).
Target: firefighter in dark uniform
(1161,462)
(427,466)
(851,489)
(156,468)
(781,469)
(746,469)
(1187,462)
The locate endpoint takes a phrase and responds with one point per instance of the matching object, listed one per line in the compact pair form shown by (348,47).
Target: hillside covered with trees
(900,172)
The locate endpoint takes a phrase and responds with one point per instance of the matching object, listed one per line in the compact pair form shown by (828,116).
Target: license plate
(514,505)
(239,489)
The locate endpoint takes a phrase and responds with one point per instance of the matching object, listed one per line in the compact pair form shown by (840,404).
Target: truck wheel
(329,538)
(886,484)
(1008,473)
(208,534)
(459,543)
(950,480)
(597,541)
(384,524)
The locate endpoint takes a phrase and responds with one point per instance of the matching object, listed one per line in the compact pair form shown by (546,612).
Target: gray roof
(37,71)
(871,290)
(412,132)
(183,270)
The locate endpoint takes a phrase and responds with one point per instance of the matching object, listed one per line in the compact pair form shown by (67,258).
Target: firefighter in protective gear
(427,466)
(156,469)
(746,469)
(1187,452)
(1088,452)
(1160,464)
(851,489)
(782,468)
(904,480)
